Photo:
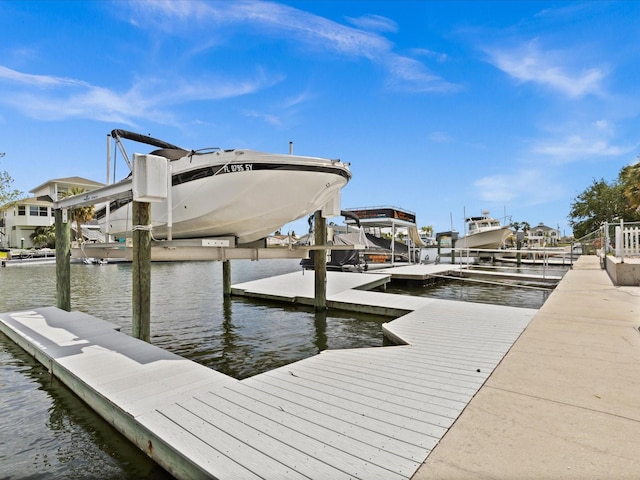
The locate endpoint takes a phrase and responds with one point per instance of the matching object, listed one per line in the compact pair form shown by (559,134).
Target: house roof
(69,181)
(25,201)
(542,227)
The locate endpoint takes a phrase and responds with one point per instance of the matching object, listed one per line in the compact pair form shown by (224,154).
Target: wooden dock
(371,413)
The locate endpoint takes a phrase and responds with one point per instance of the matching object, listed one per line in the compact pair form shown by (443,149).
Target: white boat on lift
(239,192)
(484,232)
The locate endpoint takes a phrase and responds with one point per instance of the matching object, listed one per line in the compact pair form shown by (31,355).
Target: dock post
(519,239)
(320,262)
(63,260)
(226,278)
(453,251)
(141,292)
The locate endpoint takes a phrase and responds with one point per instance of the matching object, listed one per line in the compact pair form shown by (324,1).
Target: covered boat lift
(389,217)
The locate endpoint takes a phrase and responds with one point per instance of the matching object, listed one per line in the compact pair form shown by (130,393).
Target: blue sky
(442,108)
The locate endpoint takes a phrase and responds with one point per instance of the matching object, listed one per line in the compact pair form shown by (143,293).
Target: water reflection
(48,433)
(320,324)
(230,338)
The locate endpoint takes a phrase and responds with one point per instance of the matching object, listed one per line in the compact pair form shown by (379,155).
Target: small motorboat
(238,192)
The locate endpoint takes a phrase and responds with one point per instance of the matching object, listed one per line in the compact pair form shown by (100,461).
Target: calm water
(498,292)
(47,433)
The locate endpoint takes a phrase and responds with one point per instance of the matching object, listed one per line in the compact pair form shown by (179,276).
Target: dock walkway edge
(371,413)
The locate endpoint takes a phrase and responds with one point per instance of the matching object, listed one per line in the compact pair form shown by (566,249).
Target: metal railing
(612,238)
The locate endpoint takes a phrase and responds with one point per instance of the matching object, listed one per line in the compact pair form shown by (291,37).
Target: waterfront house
(543,236)
(19,219)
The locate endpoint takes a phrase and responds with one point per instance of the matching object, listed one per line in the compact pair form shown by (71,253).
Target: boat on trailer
(242,193)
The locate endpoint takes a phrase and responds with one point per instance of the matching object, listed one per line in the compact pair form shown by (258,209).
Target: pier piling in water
(63,259)
(320,262)
(141,292)
(226,278)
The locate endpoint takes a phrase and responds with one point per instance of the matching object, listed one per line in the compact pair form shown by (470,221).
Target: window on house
(36,211)
(22,210)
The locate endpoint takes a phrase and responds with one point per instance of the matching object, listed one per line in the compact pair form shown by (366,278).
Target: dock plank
(366,413)
(353,366)
(431,410)
(201,460)
(406,363)
(310,441)
(375,416)
(346,418)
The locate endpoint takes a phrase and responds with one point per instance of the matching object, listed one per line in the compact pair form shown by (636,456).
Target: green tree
(525,226)
(79,215)
(629,178)
(7,193)
(44,237)
(599,203)
(428,230)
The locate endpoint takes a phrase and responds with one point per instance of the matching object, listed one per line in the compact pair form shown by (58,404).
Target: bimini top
(166,149)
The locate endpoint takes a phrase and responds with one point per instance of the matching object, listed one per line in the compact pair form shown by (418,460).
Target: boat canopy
(165,149)
(146,139)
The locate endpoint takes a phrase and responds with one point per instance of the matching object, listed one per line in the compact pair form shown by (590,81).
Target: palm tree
(44,237)
(525,229)
(79,215)
(428,230)
(630,180)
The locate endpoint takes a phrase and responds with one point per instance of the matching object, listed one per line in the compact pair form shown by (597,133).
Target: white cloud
(277,20)
(297,99)
(574,147)
(410,75)
(440,137)
(266,117)
(423,52)
(54,98)
(44,81)
(63,98)
(577,141)
(528,63)
(374,23)
(524,186)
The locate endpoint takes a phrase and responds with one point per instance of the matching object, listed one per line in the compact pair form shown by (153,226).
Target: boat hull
(243,194)
(488,239)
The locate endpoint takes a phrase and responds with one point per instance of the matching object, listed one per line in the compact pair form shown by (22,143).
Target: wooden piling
(320,262)
(141,292)
(63,260)
(226,278)
(453,250)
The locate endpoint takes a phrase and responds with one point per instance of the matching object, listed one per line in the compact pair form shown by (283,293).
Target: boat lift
(389,217)
(150,182)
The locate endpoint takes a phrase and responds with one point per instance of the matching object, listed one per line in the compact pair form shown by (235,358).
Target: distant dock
(371,413)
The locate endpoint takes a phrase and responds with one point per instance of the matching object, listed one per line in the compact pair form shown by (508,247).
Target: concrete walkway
(565,401)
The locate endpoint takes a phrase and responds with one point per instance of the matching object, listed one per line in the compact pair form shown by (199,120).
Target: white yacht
(484,232)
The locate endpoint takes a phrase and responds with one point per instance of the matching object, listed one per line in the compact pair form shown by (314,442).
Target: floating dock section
(371,413)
